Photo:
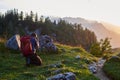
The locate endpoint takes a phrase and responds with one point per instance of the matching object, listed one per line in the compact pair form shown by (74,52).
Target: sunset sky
(101,10)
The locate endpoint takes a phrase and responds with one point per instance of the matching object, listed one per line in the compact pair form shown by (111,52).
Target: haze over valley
(101,29)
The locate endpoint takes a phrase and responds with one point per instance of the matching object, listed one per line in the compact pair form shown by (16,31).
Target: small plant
(12,65)
(112,68)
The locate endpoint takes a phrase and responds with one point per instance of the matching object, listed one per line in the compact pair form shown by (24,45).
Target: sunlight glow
(101,10)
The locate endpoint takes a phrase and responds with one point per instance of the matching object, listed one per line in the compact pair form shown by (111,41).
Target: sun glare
(106,10)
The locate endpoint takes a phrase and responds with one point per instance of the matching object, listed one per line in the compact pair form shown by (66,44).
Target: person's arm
(37,44)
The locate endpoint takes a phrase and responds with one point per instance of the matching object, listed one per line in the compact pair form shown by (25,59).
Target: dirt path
(100,74)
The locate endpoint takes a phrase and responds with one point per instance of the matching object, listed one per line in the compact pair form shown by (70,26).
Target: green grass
(112,68)
(12,64)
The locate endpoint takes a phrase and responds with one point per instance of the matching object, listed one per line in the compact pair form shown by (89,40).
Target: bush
(112,68)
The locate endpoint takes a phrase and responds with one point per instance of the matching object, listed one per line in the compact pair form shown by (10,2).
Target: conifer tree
(101,48)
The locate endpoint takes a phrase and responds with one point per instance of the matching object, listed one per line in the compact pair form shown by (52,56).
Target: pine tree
(21,15)
(101,48)
(96,50)
(105,46)
(36,17)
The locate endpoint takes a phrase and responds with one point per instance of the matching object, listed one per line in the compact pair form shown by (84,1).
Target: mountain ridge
(101,29)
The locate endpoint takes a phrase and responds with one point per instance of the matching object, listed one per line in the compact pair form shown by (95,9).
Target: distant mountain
(111,27)
(101,29)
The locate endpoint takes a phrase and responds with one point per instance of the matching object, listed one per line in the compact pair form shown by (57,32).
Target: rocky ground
(100,74)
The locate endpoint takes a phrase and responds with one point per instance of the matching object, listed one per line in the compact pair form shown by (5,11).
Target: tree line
(12,22)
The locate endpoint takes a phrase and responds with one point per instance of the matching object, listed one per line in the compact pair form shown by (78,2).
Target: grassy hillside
(12,64)
(112,67)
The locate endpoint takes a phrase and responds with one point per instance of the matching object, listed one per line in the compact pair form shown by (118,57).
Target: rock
(57,77)
(77,57)
(65,76)
(93,69)
(58,65)
(52,65)
(70,76)
(14,42)
(115,57)
(47,43)
(101,62)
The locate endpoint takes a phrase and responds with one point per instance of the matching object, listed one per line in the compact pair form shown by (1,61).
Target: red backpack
(26,46)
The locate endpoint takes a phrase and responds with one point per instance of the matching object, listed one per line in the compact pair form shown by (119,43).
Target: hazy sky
(101,10)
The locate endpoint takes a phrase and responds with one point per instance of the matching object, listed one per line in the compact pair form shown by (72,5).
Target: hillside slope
(113,71)
(101,30)
(12,65)
(111,27)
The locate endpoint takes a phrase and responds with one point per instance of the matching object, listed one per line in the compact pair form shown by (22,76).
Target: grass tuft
(12,65)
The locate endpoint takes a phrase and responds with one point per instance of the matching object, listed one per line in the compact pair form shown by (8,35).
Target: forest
(14,22)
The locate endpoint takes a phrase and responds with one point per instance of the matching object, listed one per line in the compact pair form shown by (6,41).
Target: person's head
(34,35)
